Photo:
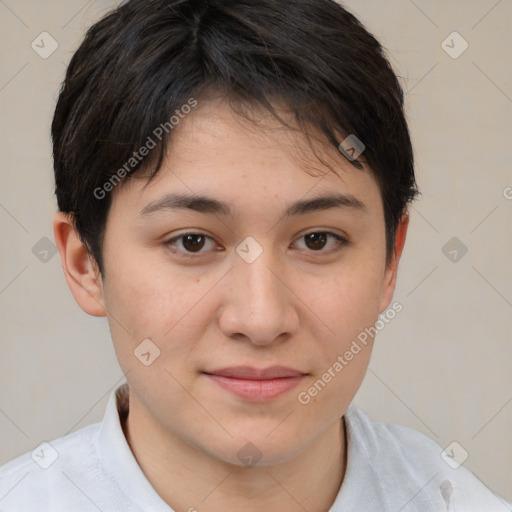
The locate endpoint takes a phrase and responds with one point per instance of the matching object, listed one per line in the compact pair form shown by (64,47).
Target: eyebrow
(208,205)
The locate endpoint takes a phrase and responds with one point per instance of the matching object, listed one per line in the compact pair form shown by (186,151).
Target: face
(248,297)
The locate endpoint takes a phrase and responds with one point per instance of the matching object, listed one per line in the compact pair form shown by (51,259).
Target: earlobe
(392,267)
(80,269)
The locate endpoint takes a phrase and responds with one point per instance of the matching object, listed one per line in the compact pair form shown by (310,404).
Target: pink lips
(256,385)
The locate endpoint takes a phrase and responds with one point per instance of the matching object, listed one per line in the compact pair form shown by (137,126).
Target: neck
(187,478)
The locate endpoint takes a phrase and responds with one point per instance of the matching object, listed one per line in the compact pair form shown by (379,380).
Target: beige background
(442,366)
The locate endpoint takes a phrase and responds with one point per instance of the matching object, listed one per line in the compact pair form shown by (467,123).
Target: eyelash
(341,242)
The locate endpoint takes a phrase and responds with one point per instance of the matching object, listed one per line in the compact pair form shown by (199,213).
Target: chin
(258,451)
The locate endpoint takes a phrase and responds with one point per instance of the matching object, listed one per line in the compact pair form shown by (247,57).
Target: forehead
(216,129)
(214,152)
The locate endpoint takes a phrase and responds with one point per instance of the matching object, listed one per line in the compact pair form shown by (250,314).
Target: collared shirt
(390,468)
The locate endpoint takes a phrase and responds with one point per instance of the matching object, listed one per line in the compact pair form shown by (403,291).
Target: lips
(249,373)
(256,385)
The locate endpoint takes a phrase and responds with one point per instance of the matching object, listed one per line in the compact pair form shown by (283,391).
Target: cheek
(150,301)
(349,306)
(348,299)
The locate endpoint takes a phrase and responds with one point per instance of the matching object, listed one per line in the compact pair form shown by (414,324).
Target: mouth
(256,385)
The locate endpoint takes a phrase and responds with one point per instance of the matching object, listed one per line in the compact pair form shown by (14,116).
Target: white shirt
(390,468)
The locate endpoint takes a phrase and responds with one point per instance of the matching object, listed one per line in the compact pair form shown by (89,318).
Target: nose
(258,304)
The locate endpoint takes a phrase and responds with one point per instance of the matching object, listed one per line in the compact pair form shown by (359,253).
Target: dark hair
(147,58)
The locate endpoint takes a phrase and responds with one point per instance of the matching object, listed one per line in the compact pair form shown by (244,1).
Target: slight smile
(256,385)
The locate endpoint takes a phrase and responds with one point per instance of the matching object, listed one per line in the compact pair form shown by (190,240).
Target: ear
(80,269)
(392,266)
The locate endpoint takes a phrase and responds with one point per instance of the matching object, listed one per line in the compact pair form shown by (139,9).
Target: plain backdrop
(442,366)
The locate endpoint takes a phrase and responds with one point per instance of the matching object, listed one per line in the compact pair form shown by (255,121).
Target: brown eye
(189,244)
(193,243)
(318,240)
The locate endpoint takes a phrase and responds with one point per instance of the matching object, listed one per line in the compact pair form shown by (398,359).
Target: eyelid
(341,240)
(169,242)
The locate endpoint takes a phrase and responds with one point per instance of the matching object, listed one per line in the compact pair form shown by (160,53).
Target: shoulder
(385,439)
(409,463)
(93,465)
(34,479)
